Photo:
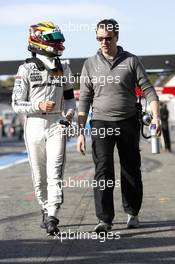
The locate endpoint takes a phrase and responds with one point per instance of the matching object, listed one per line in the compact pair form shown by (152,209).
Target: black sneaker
(52,226)
(102,227)
(133,221)
(44,219)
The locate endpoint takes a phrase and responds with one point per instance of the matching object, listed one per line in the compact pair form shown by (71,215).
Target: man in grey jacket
(41,90)
(108,83)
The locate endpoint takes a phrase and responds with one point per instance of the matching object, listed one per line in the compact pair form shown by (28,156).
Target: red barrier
(159,90)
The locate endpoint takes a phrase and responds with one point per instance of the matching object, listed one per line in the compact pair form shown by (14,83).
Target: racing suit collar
(49,62)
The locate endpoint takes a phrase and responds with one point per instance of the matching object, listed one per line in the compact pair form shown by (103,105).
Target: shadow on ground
(134,246)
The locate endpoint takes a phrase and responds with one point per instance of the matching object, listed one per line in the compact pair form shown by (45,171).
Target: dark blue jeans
(127,143)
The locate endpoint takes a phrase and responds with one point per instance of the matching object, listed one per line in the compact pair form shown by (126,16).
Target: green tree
(7,83)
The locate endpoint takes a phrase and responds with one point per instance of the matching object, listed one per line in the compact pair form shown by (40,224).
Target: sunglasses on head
(100,39)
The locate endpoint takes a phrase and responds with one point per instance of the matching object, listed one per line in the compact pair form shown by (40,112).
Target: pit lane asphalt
(22,240)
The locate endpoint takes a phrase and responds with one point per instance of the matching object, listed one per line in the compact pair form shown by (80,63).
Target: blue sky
(146,26)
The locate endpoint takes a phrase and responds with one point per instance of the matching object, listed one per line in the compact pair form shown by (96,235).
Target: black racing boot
(52,225)
(44,219)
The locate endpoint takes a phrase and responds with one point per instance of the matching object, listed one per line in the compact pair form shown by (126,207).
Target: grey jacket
(109,87)
(33,86)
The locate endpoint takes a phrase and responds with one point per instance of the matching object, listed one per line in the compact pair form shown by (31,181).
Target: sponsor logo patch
(18,77)
(35,78)
(17,82)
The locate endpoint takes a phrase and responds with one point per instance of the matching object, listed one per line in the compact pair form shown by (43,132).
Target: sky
(146,26)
